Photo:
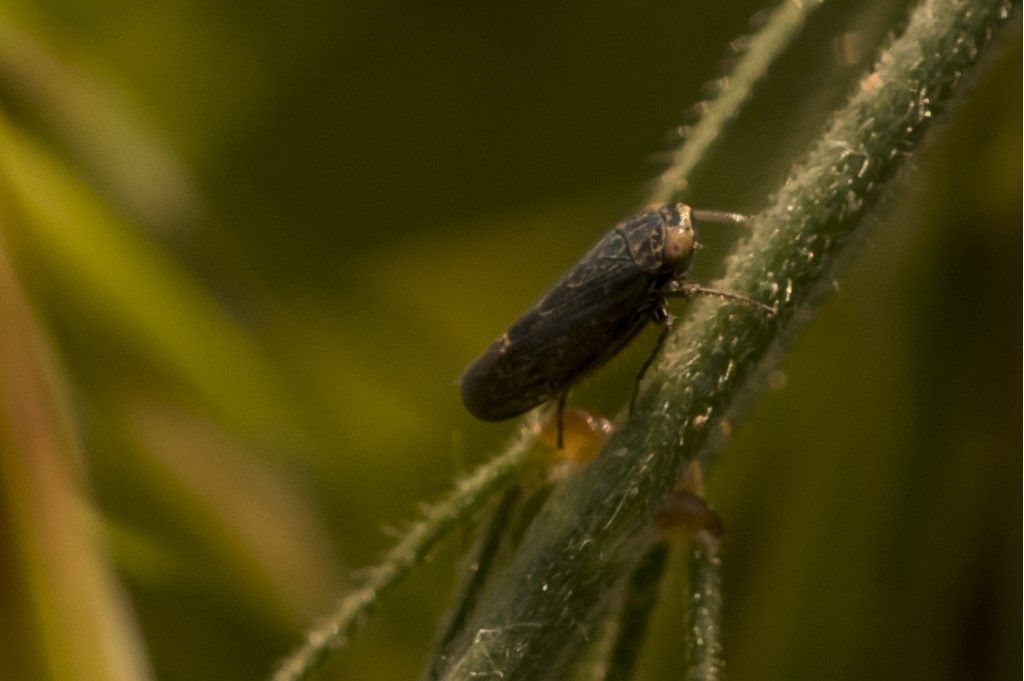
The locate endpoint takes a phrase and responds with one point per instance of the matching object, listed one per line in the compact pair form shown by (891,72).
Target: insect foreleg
(687,290)
(660,316)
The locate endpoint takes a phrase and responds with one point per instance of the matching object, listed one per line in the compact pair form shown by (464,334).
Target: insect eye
(679,244)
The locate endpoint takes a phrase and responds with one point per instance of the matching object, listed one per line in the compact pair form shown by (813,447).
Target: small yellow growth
(583,435)
(871,83)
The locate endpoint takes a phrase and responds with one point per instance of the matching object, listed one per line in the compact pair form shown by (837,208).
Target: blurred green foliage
(258,242)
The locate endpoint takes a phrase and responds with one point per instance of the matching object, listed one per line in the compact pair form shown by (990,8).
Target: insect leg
(560,415)
(688,290)
(662,317)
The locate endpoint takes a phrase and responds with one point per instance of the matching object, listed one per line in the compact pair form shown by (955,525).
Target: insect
(600,305)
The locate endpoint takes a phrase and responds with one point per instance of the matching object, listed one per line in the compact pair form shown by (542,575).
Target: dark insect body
(600,305)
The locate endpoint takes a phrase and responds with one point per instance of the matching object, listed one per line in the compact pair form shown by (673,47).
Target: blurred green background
(247,248)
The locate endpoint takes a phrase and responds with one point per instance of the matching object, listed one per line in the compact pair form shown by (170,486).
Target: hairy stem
(704,638)
(595,526)
(639,600)
(479,564)
(783,24)
(438,522)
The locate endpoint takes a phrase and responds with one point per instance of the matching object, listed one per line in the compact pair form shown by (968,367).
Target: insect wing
(581,322)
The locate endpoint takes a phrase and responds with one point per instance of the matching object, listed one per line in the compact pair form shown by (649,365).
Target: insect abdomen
(511,377)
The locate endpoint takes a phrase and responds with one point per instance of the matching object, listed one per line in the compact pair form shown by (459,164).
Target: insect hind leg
(560,417)
(661,316)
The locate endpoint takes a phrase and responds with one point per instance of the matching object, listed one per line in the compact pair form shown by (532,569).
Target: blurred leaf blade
(243,515)
(99,129)
(77,614)
(127,281)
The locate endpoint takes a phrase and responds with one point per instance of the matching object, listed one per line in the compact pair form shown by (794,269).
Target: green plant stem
(591,532)
(783,24)
(438,522)
(704,638)
(479,564)
(638,603)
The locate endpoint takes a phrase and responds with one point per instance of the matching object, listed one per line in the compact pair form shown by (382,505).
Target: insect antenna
(720,217)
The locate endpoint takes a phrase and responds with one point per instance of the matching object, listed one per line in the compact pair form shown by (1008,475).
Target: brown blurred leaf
(262,533)
(100,129)
(69,619)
